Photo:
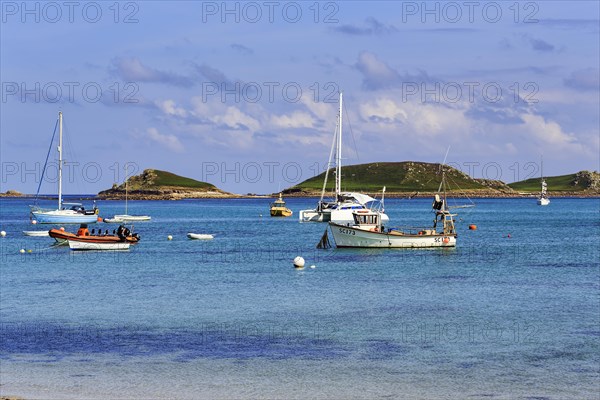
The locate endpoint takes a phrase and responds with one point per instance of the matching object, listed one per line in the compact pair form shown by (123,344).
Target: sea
(513,312)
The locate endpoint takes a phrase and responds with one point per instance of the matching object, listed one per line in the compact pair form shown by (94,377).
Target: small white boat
(120,218)
(66,213)
(127,218)
(36,233)
(78,245)
(543,199)
(200,236)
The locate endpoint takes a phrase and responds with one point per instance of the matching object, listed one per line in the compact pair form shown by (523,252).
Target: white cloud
(168,107)
(169,141)
(297,119)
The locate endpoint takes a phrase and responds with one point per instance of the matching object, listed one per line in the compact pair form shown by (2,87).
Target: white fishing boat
(543,199)
(368,229)
(36,233)
(78,245)
(340,209)
(66,213)
(200,236)
(120,218)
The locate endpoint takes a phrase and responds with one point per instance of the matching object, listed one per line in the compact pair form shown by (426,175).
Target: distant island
(420,179)
(154,184)
(401,179)
(11,193)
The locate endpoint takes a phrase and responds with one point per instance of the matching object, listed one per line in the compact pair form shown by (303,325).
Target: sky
(244,95)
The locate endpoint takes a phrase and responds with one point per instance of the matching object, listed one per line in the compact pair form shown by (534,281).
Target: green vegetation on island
(578,182)
(155,184)
(397,177)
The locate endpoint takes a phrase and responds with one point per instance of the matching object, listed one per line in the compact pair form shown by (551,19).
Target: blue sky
(244,94)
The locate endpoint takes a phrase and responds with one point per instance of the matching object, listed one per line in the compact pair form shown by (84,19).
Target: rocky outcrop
(11,193)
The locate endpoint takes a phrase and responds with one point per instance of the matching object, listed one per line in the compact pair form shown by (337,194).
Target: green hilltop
(156,184)
(580,181)
(407,176)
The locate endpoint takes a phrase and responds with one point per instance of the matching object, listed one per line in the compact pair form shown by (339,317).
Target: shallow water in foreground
(497,317)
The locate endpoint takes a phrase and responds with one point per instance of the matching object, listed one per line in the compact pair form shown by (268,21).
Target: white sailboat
(368,230)
(345,203)
(66,213)
(126,217)
(543,199)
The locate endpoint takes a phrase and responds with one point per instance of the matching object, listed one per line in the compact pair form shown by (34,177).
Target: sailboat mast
(126,179)
(338,161)
(60,160)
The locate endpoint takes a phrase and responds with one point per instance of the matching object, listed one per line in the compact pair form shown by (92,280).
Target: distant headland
(401,179)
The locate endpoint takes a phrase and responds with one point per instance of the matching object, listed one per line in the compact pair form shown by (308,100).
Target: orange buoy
(99,219)
(446,240)
(472,227)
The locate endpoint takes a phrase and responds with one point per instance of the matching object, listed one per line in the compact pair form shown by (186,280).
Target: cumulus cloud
(169,141)
(132,69)
(297,119)
(169,107)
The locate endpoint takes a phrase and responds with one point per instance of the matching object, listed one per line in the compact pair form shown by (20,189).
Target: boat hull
(84,245)
(314,216)
(62,237)
(200,236)
(36,233)
(543,202)
(128,218)
(63,217)
(281,213)
(348,236)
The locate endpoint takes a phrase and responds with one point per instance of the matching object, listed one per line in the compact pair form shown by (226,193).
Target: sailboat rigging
(66,213)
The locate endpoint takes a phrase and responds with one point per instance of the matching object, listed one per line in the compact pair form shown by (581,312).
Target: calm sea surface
(512,313)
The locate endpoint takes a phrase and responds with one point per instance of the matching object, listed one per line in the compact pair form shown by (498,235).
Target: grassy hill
(581,181)
(156,184)
(405,176)
(164,178)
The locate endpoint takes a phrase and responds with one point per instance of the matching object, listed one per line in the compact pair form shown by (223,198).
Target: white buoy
(169,237)
(299,262)
(2,233)
(313,266)
(33,221)
(22,251)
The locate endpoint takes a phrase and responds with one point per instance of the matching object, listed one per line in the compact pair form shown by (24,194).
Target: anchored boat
(67,213)
(84,235)
(368,230)
(278,208)
(543,199)
(341,208)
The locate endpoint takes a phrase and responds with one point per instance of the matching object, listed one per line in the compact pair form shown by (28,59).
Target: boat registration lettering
(347,231)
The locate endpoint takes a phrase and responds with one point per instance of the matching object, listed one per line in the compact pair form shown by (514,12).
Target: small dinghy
(200,236)
(36,233)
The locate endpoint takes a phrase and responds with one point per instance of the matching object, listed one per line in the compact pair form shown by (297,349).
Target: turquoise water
(497,317)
